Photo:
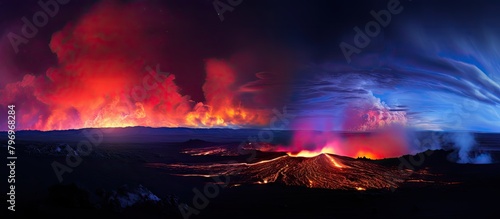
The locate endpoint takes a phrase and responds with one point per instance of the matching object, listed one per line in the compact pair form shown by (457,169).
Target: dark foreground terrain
(116,179)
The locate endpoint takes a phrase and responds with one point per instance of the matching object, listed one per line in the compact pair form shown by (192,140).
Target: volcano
(326,171)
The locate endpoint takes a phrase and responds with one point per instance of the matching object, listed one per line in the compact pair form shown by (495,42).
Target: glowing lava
(306,153)
(324,151)
(333,161)
(321,171)
(366,154)
(373,145)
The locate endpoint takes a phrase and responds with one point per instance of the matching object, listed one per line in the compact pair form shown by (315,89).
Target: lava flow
(321,171)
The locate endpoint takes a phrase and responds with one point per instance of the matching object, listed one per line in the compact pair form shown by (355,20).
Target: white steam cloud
(466,147)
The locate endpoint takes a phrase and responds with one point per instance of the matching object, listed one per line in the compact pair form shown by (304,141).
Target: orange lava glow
(306,153)
(366,154)
(375,145)
(334,162)
(329,150)
(325,151)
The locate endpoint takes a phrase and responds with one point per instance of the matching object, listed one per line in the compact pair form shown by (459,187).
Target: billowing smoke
(466,148)
(375,137)
(370,114)
(377,130)
(464,145)
(111,72)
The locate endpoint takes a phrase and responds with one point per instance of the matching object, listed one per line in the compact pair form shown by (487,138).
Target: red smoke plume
(375,132)
(103,80)
(376,145)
